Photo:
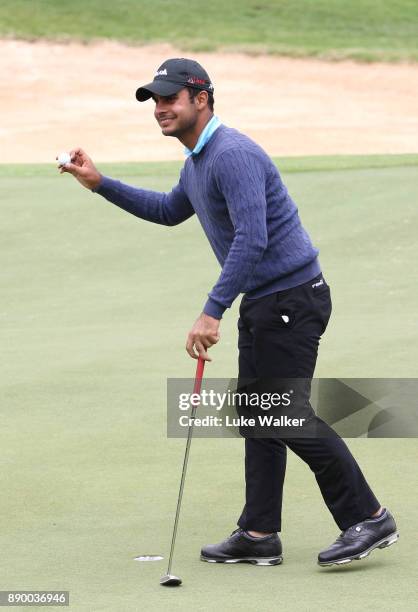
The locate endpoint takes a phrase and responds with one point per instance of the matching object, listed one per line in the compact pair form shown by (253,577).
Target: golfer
(255,231)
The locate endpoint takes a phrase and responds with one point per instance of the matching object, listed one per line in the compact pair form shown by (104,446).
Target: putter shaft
(197,387)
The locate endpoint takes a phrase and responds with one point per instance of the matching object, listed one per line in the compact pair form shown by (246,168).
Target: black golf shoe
(241,547)
(359,540)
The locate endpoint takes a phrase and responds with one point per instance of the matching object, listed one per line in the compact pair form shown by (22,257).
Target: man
(254,229)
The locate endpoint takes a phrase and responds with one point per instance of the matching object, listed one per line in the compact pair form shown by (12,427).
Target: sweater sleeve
(240,176)
(164,208)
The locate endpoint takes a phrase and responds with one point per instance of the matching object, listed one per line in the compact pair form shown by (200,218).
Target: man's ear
(202,99)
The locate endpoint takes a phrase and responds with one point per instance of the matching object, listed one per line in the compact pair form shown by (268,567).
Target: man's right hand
(83,169)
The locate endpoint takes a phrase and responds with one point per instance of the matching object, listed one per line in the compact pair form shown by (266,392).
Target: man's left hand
(204,333)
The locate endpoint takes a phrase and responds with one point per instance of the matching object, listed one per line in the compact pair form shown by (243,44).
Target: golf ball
(64,158)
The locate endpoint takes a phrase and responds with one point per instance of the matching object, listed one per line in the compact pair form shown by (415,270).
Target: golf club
(169,579)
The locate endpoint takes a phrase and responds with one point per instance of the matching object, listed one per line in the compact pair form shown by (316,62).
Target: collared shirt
(204,137)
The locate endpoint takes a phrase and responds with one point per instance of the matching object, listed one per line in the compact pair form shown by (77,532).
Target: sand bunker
(57,96)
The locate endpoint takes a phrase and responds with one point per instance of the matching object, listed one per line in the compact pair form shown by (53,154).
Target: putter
(169,579)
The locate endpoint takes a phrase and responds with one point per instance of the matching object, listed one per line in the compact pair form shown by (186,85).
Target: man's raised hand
(82,168)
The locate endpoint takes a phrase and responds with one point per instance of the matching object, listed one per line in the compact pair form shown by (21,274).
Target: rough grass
(366,30)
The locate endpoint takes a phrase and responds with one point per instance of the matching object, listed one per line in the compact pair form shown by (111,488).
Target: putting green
(96,305)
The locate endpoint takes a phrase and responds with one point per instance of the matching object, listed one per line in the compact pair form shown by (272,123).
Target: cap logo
(196,81)
(161,72)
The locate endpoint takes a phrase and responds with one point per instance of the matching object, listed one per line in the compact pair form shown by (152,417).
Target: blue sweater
(246,213)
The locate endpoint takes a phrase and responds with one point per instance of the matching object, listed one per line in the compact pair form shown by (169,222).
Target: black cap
(172,76)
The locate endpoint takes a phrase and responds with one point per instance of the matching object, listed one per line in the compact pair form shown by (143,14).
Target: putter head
(170,580)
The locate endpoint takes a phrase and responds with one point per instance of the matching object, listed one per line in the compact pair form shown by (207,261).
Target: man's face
(175,114)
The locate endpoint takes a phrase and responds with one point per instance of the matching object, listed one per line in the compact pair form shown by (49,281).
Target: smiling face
(175,113)
(180,116)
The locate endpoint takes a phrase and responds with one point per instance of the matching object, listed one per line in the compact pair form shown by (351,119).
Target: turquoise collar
(204,137)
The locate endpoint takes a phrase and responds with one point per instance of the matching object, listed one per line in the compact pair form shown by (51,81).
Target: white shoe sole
(253,560)
(384,543)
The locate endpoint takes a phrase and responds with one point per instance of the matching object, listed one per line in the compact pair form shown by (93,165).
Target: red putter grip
(199,375)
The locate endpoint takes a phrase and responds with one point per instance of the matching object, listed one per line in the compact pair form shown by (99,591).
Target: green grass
(307,163)
(367,30)
(95,308)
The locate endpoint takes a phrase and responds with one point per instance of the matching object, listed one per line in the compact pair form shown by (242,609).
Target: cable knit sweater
(246,213)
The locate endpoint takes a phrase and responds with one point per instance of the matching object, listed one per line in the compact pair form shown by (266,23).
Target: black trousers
(279,335)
